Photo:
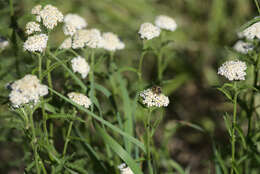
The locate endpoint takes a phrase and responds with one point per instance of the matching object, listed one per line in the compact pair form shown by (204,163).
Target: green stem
(159,64)
(233,137)
(34,146)
(67,139)
(48,63)
(257,5)
(91,76)
(140,66)
(39,66)
(148,142)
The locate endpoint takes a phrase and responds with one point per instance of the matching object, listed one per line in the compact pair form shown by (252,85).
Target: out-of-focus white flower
(66,44)
(111,42)
(36,9)
(165,22)
(149,31)
(80,99)
(36,43)
(32,27)
(233,70)
(91,38)
(243,47)
(51,16)
(38,18)
(73,22)
(80,65)
(124,169)
(3,43)
(153,99)
(252,31)
(28,89)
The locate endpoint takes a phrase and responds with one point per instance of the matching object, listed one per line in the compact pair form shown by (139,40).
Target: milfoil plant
(74,112)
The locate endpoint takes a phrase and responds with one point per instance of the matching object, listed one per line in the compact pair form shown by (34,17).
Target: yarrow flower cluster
(243,47)
(111,42)
(149,31)
(3,43)
(252,31)
(50,16)
(91,38)
(36,10)
(80,65)
(73,22)
(32,27)
(80,99)
(165,22)
(124,169)
(233,70)
(36,43)
(153,99)
(28,89)
(66,44)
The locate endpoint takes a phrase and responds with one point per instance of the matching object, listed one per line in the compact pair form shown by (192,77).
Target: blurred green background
(206,28)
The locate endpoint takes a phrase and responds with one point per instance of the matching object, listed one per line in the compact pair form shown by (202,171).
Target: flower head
(66,44)
(124,169)
(80,99)
(32,27)
(165,22)
(50,16)
(36,9)
(80,65)
(149,31)
(233,70)
(111,42)
(73,22)
(36,43)
(152,98)
(91,38)
(3,43)
(243,47)
(28,89)
(252,31)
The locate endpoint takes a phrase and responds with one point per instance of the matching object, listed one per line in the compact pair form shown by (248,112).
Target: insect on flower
(157,89)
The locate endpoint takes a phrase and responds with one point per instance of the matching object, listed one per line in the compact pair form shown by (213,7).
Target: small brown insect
(157,89)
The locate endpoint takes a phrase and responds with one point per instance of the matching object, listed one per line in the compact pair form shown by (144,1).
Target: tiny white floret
(80,65)
(149,31)
(36,43)
(80,99)
(233,70)
(165,22)
(153,99)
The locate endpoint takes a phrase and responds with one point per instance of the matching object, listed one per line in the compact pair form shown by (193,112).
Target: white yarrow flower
(111,42)
(243,47)
(28,89)
(80,65)
(252,31)
(233,70)
(80,99)
(152,99)
(91,38)
(36,10)
(3,43)
(165,22)
(73,22)
(66,44)
(124,169)
(149,31)
(36,43)
(51,16)
(32,27)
